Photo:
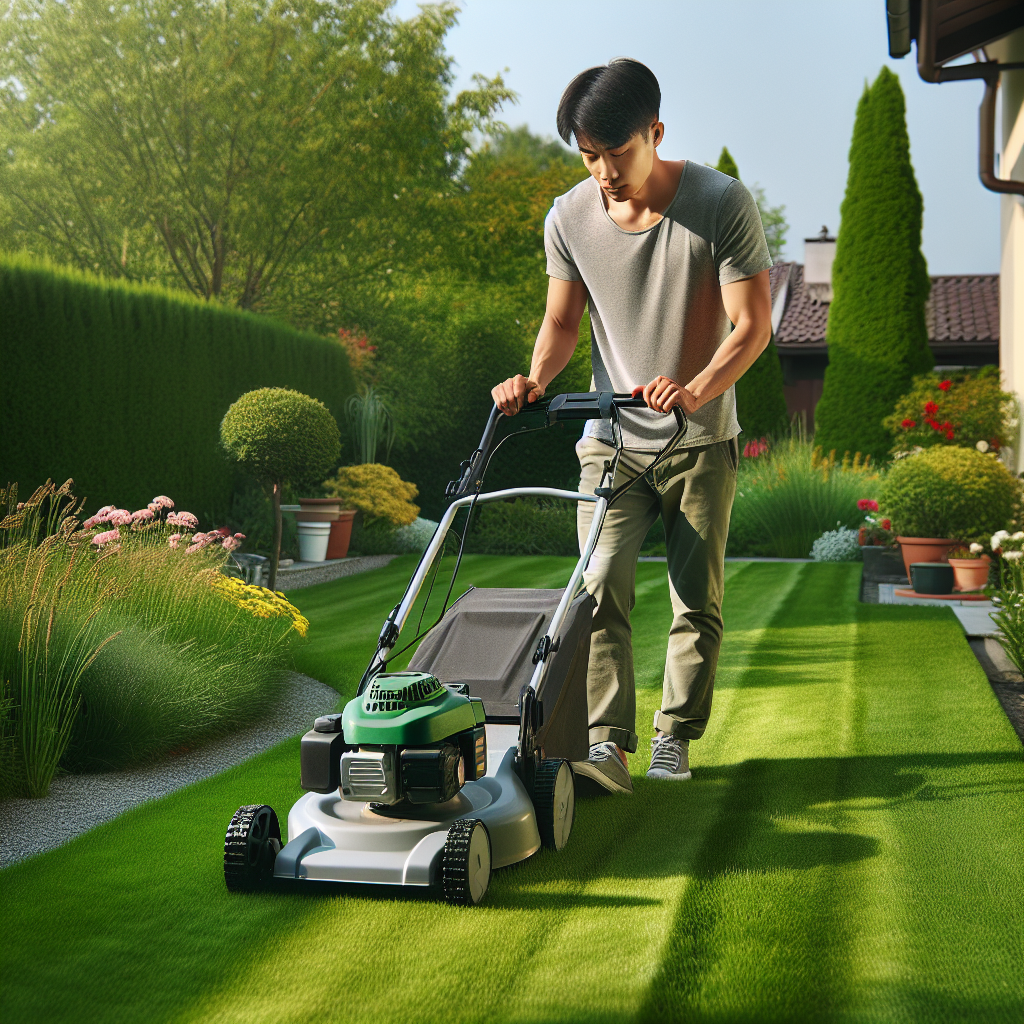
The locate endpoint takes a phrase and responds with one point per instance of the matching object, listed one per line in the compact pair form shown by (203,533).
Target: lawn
(849,850)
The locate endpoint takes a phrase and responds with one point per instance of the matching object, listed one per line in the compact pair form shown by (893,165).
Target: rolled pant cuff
(622,738)
(673,727)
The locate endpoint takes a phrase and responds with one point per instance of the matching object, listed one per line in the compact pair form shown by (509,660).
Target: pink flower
(174,540)
(100,517)
(192,547)
(142,515)
(120,517)
(754,449)
(185,519)
(162,501)
(867,505)
(230,543)
(239,536)
(104,538)
(201,539)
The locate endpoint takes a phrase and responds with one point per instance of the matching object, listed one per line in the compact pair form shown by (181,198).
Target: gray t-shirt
(654,296)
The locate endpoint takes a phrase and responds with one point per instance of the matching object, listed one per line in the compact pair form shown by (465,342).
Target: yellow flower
(260,602)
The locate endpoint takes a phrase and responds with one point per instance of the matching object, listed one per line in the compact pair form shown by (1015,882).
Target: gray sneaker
(605,767)
(670,758)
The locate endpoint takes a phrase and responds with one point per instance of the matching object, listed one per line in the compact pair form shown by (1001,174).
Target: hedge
(123,387)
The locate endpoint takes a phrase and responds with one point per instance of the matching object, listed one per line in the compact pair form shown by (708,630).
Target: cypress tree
(760,400)
(877,338)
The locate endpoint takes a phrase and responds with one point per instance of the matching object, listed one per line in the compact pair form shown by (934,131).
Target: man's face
(621,171)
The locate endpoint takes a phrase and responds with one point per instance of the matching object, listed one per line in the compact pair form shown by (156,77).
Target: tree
(281,436)
(773,218)
(727,165)
(221,146)
(877,338)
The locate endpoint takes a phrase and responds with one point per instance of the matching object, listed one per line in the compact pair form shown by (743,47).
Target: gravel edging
(296,579)
(77,803)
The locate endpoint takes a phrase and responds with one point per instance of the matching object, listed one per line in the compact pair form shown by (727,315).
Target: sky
(777,83)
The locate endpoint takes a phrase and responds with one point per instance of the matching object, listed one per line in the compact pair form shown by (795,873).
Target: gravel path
(78,803)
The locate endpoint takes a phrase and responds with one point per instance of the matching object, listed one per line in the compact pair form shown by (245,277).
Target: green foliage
(123,387)
(790,496)
(252,515)
(950,493)
(520,149)
(1009,613)
(760,400)
(773,218)
(971,407)
(376,491)
(877,338)
(370,425)
(526,526)
(727,165)
(254,140)
(280,435)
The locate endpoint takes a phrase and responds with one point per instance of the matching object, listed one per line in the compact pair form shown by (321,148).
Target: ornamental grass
(120,644)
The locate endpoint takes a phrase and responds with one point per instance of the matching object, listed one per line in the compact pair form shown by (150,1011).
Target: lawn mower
(436,775)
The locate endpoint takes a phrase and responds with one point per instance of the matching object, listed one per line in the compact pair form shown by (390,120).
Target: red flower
(949,435)
(944,385)
(867,505)
(947,425)
(930,409)
(886,524)
(994,445)
(908,424)
(934,424)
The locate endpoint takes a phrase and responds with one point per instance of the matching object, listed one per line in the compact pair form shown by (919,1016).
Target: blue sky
(777,83)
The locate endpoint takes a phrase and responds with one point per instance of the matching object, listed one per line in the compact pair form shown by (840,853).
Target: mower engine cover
(417,740)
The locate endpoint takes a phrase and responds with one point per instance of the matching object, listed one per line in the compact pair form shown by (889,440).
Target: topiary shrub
(950,492)
(281,436)
(377,491)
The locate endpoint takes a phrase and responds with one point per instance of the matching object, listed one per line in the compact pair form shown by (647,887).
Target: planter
(970,573)
(931,577)
(318,510)
(313,538)
(882,563)
(924,549)
(341,534)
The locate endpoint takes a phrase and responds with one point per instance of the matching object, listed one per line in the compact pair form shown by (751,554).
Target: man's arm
(556,342)
(748,304)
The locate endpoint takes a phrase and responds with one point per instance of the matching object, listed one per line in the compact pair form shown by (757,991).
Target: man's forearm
(732,359)
(552,352)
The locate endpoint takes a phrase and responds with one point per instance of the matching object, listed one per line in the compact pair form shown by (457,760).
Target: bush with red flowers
(968,410)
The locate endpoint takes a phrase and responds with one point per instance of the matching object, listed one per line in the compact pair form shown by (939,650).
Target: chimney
(818,256)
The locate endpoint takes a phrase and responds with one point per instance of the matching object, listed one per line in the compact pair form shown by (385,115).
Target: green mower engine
(406,737)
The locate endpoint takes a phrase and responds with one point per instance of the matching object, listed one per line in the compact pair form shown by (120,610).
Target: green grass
(848,850)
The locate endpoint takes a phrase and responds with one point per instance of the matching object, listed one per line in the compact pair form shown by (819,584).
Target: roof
(962,312)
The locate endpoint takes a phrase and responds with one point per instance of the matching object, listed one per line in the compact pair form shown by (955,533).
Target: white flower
(1013,556)
(1019,535)
(997,539)
(982,446)
(976,549)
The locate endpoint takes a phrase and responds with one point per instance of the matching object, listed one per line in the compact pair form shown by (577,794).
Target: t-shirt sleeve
(740,247)
(560,262)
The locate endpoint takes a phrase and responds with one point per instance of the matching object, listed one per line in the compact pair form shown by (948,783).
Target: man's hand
(663,393)
(513,394)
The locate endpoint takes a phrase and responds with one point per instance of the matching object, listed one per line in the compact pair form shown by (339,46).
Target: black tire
(554,801)
(251,846)
(466,867)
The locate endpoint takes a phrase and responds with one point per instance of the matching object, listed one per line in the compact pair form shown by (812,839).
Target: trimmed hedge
(877,337)
(760,399)
(123,387)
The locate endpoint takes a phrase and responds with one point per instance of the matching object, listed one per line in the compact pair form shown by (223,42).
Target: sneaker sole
(675,776)
(589,771)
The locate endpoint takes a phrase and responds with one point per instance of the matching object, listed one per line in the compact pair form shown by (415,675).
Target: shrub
(280,436)
(836,546)
(787,497)
(950,492)
(415,537)
(760,399)
(969,410)
(525,526)
(1009,601)
(370,424)
(877,337)
(377,491)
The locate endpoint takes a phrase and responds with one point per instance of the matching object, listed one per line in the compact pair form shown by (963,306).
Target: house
(962,316)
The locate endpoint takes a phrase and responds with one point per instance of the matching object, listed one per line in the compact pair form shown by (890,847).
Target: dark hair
(609,104)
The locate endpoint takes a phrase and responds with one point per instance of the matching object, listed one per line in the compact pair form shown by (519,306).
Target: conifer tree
(877,338)
(727,165)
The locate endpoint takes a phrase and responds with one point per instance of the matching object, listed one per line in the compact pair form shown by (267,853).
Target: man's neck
(648,206)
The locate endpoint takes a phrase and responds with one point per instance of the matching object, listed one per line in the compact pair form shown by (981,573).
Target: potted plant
(380,495)
(970,567)
(281,436)
(943,495)
(882,560)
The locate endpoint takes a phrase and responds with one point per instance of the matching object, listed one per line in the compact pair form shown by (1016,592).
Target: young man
(671,259)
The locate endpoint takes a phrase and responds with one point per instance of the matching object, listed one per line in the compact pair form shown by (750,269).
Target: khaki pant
(693,493)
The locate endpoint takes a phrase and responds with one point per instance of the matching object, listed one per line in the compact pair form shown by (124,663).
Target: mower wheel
(554,800)
(466,867)
(251,846)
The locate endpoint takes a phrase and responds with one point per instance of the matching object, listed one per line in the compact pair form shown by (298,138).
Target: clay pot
(924,549)
(341,534)
(318,510)
(970,573)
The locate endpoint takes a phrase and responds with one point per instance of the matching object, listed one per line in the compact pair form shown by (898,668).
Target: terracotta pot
(341,534)
(318,510)
(924,549)
(970,573)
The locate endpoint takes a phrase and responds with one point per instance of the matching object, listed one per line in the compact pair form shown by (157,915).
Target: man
(671,259)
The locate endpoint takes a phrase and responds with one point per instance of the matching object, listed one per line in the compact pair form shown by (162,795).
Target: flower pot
(313,538)
(318,510)
(931,577)
(341,534)
(970,573)
(882,564)
(924,549)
